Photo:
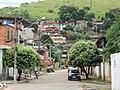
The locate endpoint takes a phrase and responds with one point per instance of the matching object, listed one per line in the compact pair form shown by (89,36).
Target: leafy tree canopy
(89,16)
(68,13)
(71,13)
(86,8)
(83,54)
(113,38)
(112,13)
(110,18)
(46,39)
(27,58)
(63,32)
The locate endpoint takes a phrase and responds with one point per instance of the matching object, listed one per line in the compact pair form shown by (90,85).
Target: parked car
(2,85)
(50,69)
(73,74)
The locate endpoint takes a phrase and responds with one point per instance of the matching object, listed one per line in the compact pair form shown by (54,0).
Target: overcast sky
(14,3)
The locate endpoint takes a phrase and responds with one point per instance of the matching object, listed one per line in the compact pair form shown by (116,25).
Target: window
(74,71)
(8,35)
(11,36)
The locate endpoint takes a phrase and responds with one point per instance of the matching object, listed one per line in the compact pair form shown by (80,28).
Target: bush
(50,11)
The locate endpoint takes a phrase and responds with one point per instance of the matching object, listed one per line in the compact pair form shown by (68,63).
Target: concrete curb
(22,81)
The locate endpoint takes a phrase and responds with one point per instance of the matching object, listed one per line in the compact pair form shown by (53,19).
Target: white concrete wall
(97,72)
(11,72)
(115,69)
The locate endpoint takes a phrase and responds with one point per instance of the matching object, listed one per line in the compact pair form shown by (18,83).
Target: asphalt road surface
(51,81)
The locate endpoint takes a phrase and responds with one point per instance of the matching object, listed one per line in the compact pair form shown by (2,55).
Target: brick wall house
(6,41)
(6,35)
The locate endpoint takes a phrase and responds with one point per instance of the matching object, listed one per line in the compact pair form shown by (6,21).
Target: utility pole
(39,40)
(38,66)
(50,53)
(103,59)
(15,52)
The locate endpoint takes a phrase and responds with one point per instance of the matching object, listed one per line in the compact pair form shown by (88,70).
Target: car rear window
(74,71)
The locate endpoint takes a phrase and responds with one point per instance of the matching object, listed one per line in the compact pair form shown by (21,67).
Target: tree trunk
(85,71)
(88,70)
(87,75)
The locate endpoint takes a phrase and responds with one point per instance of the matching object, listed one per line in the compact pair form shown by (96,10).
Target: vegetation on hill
(50,8)
(113,38)
(5,10)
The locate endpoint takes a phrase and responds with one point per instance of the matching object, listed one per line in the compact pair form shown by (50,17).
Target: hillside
(43,8)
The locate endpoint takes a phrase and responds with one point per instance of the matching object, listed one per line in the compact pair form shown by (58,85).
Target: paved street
(51,81)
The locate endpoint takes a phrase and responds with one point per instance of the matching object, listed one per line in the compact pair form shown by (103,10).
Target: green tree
(81,13)
(83,54)
(112,14)
(46,39)
(86,8)
(27,58)
(110,18)
(78,36)
(68,13)
(89,16)
(63,32)
(75,36)
(113,39)
(25,14)
(106,24)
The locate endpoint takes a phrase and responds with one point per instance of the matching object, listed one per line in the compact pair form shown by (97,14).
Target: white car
(2,85)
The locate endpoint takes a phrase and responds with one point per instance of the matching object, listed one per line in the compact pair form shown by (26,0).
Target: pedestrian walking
(36,73)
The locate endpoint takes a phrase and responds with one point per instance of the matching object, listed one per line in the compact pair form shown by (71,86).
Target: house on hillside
(58,39)
(12,20)
(50,23)
(27,37)
(44,55)
(52,28)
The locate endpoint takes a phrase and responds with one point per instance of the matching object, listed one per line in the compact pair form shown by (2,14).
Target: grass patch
(94,79)
(94,83)
(104,88)
(40,8)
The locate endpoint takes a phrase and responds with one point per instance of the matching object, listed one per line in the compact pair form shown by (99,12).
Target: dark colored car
(73,74)
(50,69)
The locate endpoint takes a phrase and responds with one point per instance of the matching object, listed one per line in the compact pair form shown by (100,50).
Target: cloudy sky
(14,3)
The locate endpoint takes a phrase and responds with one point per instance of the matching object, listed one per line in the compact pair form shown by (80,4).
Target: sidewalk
(22,81)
